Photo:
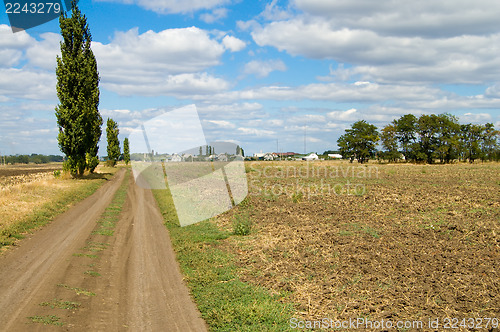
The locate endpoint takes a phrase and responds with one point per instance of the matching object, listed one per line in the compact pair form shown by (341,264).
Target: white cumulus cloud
(262,69)
(216,15)
(173,6)
(233,44)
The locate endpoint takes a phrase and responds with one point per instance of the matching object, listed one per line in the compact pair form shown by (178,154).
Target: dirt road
(68,274)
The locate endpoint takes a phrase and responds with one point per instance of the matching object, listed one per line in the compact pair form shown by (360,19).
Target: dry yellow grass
(20,195)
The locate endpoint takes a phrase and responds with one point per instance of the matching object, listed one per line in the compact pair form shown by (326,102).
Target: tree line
(428,138)
(33,158)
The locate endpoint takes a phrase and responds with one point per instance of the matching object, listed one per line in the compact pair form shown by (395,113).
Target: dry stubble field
(408,242)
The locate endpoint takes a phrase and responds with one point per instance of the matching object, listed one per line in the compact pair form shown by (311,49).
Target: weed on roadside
(242,225)
(85,255)
(78,291)
(92,273)
(46,320)
(60,304)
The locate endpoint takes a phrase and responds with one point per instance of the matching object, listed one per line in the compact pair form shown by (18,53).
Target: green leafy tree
(346,147)
(389,143)
(359,142)
(489,145)
(112,132)
(448,138)
(427,130)
(126,151)
(405,131)
(77,113)
(471,136)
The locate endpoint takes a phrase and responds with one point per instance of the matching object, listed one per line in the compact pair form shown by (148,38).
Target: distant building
(312,156)
(259,155)
(222,157)
(285,154)
(335,156)
(270,156)
(176,158)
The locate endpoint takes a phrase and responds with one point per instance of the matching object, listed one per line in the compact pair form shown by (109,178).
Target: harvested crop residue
(420,241)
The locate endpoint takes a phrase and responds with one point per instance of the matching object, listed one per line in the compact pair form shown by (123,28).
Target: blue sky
(259,72)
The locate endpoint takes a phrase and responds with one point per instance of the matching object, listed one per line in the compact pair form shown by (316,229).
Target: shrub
(241,224)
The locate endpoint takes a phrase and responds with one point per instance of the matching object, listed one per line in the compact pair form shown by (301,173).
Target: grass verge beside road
(29,206)
(225,302)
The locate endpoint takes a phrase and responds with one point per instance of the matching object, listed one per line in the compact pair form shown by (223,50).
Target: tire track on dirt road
(139,286)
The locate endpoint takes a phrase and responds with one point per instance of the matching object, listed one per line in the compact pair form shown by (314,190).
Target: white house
(222,157)
(176,158)
(270,156)
(312,156)
(259,155)
(335,156)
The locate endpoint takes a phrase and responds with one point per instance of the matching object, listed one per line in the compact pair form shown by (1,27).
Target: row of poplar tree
(77,113)
(428,138)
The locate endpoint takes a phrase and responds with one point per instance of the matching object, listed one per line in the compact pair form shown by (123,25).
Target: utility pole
(305,135)
(277,148)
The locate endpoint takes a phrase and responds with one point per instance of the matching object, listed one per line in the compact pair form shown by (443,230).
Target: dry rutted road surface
(72,275)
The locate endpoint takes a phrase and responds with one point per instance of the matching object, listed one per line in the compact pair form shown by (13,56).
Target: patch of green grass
(242,224)
(356,229)
(46,320)
(434,224)
(111,215)
(346,233)
(85,255)
(95,246)
(225,302)
(104,231)
(93,273)
(78,291)
(60,304)
(297,197)
(270,197)
(372,232)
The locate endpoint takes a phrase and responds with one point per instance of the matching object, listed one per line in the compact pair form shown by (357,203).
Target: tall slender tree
(126,151)
(77,113)
(112,132)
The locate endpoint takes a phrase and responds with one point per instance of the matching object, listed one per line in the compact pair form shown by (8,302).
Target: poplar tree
(77,113)
(112,132)
(126,151)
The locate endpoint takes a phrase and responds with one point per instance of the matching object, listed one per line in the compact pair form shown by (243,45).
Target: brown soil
(92,282)
(422,242)
(9,170)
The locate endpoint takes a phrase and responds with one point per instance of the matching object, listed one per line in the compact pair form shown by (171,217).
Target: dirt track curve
(127,282)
